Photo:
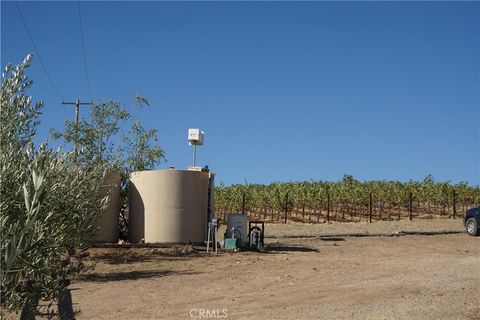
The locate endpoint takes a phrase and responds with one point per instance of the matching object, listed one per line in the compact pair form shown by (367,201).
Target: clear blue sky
(284,91)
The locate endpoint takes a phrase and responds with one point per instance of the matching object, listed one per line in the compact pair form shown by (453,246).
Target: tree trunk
(65,306)
(29,310)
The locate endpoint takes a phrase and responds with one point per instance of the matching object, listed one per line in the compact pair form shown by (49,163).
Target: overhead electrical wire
(37,52)
(83,51)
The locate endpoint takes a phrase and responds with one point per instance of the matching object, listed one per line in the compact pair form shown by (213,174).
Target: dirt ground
(290,229)
(344,277)
(383,270)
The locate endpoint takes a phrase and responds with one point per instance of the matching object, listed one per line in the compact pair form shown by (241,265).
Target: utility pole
(77,104)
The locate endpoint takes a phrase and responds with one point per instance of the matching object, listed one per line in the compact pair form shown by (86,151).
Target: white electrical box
(195,137)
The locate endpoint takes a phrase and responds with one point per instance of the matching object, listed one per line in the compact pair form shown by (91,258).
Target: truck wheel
(472,227)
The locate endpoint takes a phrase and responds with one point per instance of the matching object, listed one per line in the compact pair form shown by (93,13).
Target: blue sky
(284,91)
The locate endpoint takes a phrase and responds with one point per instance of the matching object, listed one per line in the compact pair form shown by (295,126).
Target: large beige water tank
(168,206)
(108,220)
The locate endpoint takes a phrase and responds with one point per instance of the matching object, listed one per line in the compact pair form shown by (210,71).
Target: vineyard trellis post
(286,207)
(328,206)
(243,203)
(410,207)
(454,204)
(370,209)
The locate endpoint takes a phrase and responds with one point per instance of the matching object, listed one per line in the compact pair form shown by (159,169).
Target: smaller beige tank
(238,221)
(108,219)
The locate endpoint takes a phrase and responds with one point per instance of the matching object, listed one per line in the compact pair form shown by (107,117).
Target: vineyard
(348,200)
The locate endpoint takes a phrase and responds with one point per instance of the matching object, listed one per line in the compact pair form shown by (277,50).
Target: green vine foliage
(428,196)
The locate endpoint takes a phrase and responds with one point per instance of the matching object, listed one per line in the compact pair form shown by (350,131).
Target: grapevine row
(347,200)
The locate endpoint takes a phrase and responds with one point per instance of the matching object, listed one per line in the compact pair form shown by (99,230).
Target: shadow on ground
(332,239)
(126,256)
(130,275)
(284,248)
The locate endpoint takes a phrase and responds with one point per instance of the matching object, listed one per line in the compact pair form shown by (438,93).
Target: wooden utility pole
(77,104)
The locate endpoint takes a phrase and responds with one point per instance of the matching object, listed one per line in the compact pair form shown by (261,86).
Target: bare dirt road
(405,277)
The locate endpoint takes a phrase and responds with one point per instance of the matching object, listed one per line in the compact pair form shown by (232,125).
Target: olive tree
(103,140)
(48,203)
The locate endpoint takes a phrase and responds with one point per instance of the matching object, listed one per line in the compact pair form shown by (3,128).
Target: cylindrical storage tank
(108,219)
(238,221)
(211,197)
(168,206)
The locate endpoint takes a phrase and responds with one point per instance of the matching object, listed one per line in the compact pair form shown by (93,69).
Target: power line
(38,52)
(83,51)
